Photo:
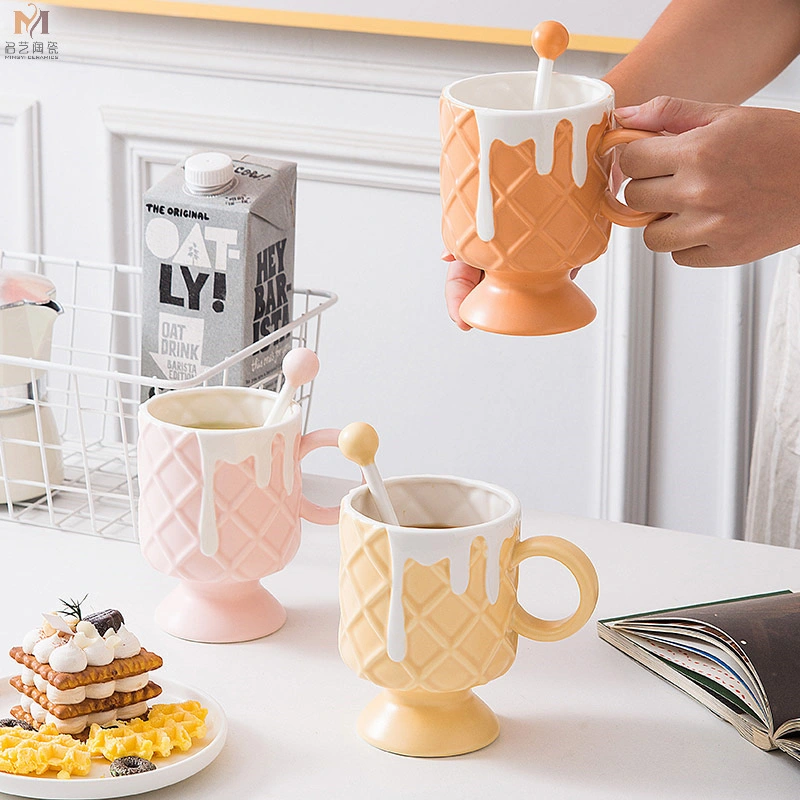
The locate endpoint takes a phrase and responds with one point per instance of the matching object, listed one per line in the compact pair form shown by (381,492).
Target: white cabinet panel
(20,210)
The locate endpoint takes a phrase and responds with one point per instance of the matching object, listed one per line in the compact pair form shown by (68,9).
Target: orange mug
(526,198)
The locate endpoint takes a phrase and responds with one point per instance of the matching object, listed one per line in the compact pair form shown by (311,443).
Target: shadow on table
(216,780)
(310,630)
(629,754)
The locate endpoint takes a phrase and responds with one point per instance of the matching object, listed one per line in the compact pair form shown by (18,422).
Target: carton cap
(208,173)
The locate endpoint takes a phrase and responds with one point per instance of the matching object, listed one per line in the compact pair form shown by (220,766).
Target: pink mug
(220,502)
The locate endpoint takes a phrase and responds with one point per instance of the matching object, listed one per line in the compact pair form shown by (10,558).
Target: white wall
(644,415)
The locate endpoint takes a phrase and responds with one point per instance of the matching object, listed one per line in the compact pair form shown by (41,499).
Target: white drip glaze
(540,127)
(503,108)
(235,447)
(427,546)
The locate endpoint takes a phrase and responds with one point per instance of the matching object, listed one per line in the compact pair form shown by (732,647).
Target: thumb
(669,114)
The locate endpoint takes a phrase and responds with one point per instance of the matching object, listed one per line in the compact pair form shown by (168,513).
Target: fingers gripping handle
(582,569)
(321,515)
(611,208)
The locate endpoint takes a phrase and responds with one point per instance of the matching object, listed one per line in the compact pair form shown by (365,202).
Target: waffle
(90,705)
(144,661)
(168,727)
(35,752)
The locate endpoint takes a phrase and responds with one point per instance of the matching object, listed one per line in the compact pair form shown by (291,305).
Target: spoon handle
(378,489)
(544,75)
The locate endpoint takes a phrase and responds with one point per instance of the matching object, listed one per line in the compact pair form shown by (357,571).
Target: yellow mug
(429,607)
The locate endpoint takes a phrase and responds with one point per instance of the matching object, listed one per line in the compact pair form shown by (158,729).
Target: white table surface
(578,719)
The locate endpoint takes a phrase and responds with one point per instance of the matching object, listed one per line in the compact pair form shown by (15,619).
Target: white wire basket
(93,389)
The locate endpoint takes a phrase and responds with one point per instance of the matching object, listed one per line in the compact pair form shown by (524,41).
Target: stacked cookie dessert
(80,671)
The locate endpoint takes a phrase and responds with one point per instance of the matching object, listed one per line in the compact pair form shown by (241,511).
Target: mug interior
(513,91)
(215,407)
(430,501)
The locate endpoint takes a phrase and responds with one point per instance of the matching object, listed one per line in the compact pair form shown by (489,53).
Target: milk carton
(218,266)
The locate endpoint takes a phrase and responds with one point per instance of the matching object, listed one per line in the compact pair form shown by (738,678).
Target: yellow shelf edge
(341,22)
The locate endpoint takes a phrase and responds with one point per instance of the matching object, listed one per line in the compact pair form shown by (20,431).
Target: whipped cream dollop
(73,725)
(77,724)
(102,717)
(128,645)
(99,691)
(37,712)
(97,650)
(132,684)
(69,658)
(44,648)
(30,640)
(130,712)
(65,696)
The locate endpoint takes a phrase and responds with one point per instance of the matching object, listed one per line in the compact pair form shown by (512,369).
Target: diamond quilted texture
(542,222)
(259,527)
(453,642)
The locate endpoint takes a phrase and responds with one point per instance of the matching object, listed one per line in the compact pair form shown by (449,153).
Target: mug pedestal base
(220,612)
(502,303)
(428,724)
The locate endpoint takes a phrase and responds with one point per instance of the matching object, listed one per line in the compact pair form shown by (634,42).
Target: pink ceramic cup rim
(513,511)
(605,92)
(165,398)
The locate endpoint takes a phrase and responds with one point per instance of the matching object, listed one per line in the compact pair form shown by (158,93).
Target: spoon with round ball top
(300,366)
(359,442)
(549,40)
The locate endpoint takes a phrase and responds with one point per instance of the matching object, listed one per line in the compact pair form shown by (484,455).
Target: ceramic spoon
(300,366)
(549,40)
(359,442)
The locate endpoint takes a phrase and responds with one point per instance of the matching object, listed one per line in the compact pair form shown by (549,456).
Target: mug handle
(582,569)
(611,208)
(320,515)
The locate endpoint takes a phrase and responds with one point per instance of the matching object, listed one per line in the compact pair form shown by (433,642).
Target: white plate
(99,784)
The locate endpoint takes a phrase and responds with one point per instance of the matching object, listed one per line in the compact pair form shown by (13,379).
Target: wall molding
(241,64)
(21,114)
(737,396)
(627,379)
(140,137)
(335,155)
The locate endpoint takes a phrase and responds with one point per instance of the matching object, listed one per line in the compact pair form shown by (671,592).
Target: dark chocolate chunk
(103,620)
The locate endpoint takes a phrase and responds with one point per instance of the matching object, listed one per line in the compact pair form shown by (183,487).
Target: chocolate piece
(103,620)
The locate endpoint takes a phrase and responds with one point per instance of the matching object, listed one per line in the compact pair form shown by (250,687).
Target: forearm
(712,50)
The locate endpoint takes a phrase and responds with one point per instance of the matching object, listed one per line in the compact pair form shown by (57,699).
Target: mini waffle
(35,752)
(144,661)
(168,727)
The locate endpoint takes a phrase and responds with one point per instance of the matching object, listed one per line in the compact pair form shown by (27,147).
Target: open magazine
(738,657)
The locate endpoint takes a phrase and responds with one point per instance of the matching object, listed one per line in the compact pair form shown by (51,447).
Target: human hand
(726,179)
(461,280)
